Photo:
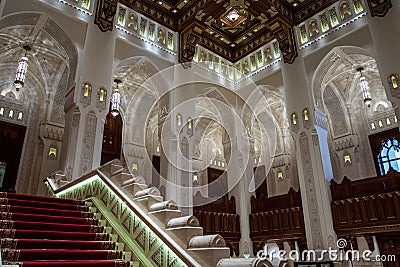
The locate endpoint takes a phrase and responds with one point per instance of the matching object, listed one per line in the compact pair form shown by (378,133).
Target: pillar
(2,5)
(176,132)
(87,104)
(313,172)
(239,150)
(385,32)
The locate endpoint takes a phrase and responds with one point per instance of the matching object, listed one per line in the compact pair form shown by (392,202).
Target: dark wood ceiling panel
(230,28)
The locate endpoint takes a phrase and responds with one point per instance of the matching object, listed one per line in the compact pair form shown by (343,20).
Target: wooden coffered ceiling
(230,28)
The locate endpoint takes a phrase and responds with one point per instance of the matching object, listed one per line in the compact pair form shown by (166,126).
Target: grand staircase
(154,229)
(106,218)
(44,231)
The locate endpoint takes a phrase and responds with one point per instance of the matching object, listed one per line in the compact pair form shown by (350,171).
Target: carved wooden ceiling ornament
(379,8)
(230,28)
(105,12)
(284,34)
(189,38)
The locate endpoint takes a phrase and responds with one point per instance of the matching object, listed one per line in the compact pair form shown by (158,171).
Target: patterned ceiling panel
(230,28)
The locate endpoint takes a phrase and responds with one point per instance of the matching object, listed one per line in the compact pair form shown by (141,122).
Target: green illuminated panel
(153,249)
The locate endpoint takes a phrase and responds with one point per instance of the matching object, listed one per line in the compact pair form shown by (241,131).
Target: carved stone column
(241,164)
(384,25)
(310,143)
(86,105)
(176,128)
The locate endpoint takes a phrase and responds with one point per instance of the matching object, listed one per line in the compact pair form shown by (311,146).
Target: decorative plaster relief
(58,114)
(88,142)
(76,117)
(62,38)
(310,194)
(41,147)
(69,100)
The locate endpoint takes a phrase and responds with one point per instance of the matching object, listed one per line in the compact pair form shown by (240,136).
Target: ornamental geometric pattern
(379,8)
(172,260)
(58,114)
(141,238)
(147,242)
(232,29)
(158,257)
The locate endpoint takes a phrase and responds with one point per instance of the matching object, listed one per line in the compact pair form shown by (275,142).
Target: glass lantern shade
(115,102)
(21,73)
(365,90)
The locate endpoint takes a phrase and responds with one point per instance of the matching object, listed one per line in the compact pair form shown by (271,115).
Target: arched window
(389,156)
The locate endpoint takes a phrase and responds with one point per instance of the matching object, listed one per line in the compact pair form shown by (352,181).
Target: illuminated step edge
(150,227)
(138,233)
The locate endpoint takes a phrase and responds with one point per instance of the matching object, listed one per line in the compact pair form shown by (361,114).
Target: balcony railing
(277,219)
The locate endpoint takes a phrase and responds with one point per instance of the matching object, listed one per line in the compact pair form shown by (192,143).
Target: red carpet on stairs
(8,224)
(36,234)
(44,211)
(55,244)
(43,218)
(39,204)
(43,231)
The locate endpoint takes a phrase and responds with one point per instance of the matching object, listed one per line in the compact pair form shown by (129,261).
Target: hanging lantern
(21,70)
(364,88)
(116,99)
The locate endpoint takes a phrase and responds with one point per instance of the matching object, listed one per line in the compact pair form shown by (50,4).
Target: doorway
(112,138)
(11,142)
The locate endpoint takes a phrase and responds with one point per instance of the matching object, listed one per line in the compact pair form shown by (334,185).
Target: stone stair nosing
(114,237)
(207,250)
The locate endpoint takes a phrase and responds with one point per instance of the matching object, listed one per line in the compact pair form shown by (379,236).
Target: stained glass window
(389,156)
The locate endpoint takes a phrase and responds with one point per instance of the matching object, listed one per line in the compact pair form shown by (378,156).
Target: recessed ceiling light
(255,30)
(174,10)
(233,15)
(244,37)
(222,38)
(295,4)
(211,32)
(160,2)
(233,45)
(185,1)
